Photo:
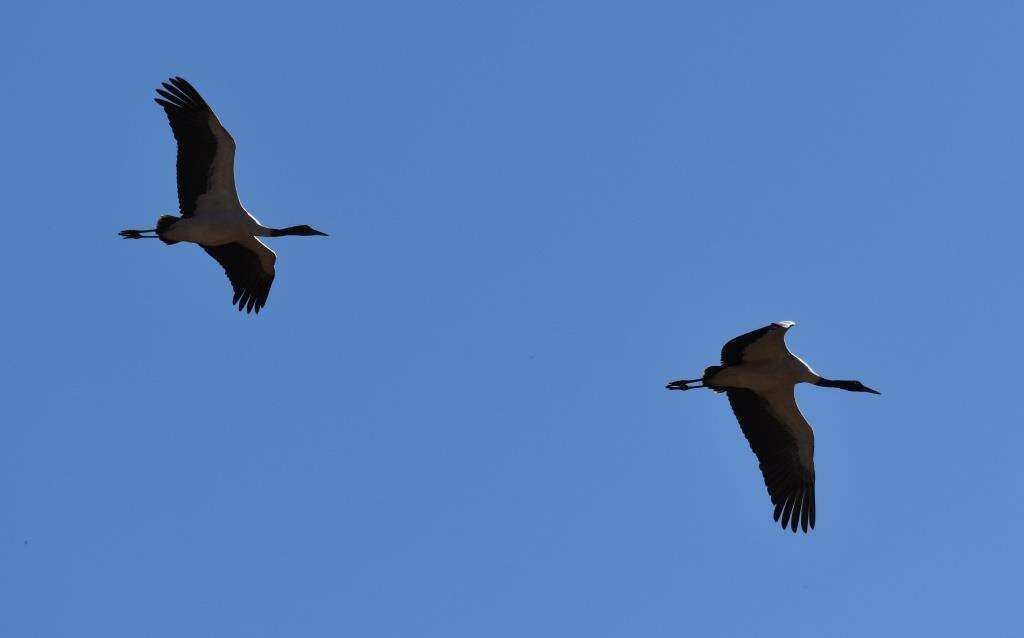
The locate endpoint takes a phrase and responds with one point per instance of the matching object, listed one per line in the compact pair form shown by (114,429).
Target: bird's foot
(683,384)
(136,234)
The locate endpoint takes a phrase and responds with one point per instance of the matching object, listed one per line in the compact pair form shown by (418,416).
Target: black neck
(282,232)
(838,383)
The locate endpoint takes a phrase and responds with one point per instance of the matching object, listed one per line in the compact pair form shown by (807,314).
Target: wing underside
(784,445)
(206,151)
(250,269)
(763,344)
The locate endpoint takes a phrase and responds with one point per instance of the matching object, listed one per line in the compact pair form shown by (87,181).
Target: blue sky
(450,418)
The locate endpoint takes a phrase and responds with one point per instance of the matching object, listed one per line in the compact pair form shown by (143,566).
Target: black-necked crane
(211,214)
(758,374)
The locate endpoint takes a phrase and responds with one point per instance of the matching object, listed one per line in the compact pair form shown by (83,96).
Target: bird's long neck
(282,232)
(835,383)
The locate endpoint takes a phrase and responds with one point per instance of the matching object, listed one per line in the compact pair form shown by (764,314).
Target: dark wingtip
(813,506)
(806,510)
(800,505)
(791,504)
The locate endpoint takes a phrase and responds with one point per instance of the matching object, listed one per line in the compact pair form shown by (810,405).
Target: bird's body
(759,374)
(215,228)
(211,214)
(764,376)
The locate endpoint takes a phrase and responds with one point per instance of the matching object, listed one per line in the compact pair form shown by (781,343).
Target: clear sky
(450,418)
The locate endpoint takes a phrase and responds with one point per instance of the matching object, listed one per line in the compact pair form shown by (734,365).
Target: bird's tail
(163,224)
(708,371)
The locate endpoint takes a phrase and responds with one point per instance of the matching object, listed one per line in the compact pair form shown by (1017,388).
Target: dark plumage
(732,351)
(249,281)
(189,116)
(790,482)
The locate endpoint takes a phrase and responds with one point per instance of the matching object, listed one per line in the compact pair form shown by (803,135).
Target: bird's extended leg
(137,234)
(684,384)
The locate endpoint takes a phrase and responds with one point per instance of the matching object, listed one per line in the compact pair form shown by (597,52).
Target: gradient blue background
(450,419)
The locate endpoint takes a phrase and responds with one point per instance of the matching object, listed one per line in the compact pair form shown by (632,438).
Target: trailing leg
(684,384)
(137,234)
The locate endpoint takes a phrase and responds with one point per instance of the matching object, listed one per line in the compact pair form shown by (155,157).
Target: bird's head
(303,231)
(784,325)
(857,386)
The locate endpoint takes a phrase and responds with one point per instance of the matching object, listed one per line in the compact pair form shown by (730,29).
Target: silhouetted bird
(211,214)
(758,374)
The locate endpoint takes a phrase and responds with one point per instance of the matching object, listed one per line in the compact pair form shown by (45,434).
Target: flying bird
(211,214)
(758,374)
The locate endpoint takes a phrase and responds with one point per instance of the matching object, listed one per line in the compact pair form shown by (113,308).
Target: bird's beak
(867,389)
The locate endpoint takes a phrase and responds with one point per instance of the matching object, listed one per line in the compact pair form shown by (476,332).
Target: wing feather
(783,442)
(206,151)
(765,343)
(250,269)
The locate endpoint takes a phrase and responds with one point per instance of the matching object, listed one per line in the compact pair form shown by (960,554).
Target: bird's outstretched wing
(764,343)
(249,266)
(784,444)
(206,151)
